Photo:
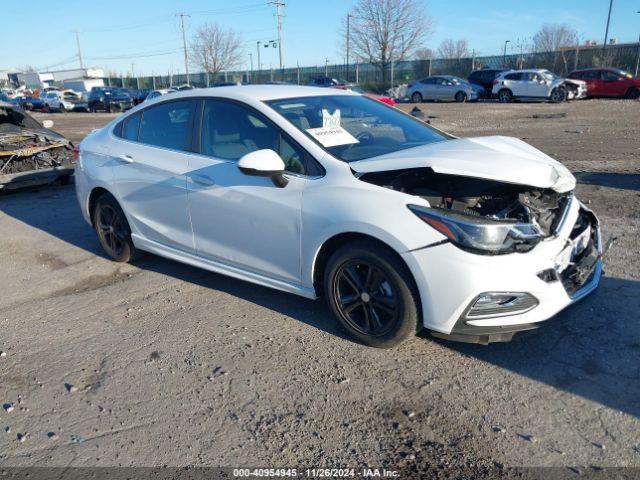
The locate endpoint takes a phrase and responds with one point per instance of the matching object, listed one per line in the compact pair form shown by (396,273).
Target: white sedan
(328,193)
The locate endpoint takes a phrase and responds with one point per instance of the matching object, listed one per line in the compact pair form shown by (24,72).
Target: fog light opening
(498,304)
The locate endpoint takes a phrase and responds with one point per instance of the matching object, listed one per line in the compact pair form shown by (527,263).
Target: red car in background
(608,82)
(381,98)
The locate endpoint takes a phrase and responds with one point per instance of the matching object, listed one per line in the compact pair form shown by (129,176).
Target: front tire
(371,293)
(461,97)
(505,96)
(632,94)
(416,97)
(113,230)
(558,95)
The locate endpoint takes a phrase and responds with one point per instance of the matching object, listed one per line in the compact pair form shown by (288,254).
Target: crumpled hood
(503,159)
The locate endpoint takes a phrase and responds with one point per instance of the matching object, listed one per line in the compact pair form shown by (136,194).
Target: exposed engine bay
(478,197)
(30,153)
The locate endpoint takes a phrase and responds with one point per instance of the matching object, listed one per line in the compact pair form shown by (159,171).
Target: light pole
(251,65)
(504,55)
(348,35)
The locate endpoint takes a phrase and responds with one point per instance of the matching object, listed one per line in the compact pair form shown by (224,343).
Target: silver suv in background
(540,85)
(442,87)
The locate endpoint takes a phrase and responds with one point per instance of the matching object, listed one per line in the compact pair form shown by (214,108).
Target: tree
(214,49)
(454,49)
(384,30)
(552,37)
(423,54)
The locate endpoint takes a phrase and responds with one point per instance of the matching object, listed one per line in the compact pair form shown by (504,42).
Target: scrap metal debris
(30,153)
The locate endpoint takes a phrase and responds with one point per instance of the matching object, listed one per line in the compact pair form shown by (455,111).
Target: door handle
(125,158)
(203,180)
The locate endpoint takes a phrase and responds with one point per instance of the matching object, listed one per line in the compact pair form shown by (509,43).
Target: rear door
(152,162)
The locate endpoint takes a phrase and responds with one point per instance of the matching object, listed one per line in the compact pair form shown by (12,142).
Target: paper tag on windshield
(332,136)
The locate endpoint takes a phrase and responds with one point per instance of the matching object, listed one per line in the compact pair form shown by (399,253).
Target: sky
(146,33)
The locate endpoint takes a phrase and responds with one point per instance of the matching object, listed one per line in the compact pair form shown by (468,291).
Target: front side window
(230,131)
(610,76)
(168,125)
(352,127)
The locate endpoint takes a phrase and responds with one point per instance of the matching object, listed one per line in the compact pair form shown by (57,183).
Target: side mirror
(47,124)
(264,163)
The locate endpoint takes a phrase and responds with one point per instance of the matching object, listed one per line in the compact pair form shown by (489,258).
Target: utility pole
(326,67)
(279,15)
(251,66)
(184,44)
(258,50)
(638,57)
(348,37)
(79,52)
(606,32)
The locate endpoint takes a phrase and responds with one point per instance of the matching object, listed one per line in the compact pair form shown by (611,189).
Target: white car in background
(541,85)
(63,100)
(322,192)
(158,93)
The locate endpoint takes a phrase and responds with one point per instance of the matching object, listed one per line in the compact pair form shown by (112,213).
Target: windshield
(549,75)
(623,73)
(352,127)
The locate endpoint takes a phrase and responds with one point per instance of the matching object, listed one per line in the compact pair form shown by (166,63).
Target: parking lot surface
(158,363)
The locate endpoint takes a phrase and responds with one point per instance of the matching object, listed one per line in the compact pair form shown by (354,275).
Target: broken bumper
(558,272)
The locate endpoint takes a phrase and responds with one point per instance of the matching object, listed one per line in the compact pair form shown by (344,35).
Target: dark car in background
(109,99)
(326,82)
(608,82)
(138,96)
(28,102)
(484,78)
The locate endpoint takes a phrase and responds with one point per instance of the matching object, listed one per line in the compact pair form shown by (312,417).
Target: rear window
(131,126)
(168,125)
(513,76)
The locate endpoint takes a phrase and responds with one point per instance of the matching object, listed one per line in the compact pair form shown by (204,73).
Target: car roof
(257,92)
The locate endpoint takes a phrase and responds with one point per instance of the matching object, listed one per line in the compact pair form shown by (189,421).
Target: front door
(241,220)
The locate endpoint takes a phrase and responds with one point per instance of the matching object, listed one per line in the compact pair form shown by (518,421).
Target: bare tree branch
(382,30)
(214,49)
(454,49)
(552,37)
(423,53)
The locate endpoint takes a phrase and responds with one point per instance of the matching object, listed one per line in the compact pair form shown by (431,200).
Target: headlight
(481,234)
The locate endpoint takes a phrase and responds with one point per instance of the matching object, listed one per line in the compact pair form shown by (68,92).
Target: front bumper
(555,272)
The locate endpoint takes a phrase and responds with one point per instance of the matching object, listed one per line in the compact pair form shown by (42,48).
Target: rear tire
(371,292)
(416,97)
(113,230)
(505,96)
(461,97)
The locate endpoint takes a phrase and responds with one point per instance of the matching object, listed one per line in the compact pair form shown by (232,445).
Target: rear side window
(131,126)
(513,76)
(608,75)
(168,125)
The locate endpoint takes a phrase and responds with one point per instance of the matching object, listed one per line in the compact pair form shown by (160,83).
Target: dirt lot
(171,365)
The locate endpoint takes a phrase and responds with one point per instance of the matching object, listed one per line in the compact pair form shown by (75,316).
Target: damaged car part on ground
(31,154)
(398,225)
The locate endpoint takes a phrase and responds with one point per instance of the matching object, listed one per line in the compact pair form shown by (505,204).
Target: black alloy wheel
(372,293)
(113,230)
(365,297)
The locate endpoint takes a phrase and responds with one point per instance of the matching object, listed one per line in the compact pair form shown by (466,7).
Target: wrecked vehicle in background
(536,84)
(30,153)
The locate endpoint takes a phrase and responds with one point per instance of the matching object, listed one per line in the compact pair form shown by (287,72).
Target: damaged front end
(479,215)
(576,89)
(30,154)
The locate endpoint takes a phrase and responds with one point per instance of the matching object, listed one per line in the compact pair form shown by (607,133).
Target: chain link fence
(370,77)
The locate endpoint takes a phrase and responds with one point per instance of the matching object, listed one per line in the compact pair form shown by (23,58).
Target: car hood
(503,159)
(580,83)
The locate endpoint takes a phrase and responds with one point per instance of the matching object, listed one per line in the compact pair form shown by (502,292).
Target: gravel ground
(159,363)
